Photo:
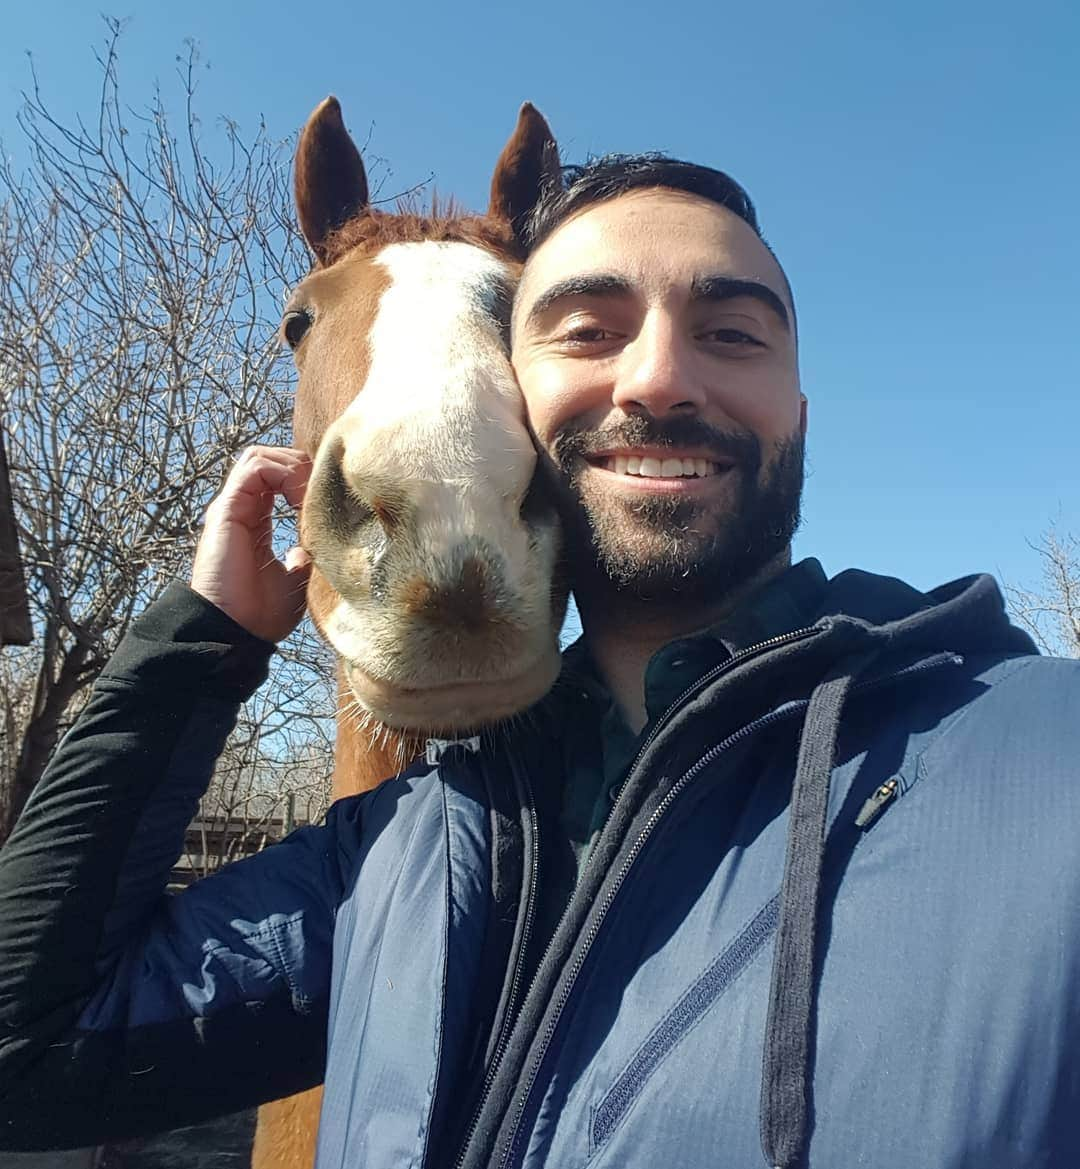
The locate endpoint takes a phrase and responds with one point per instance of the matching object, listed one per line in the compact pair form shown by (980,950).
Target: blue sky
(915,165)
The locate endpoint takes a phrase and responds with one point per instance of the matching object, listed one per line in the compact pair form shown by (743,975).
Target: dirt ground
(221,1144)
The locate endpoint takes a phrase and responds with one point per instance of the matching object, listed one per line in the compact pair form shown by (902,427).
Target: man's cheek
(552,399)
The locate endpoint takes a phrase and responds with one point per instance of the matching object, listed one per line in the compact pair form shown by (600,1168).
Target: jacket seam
(921,771)
(273,935)
(424,1131)
(1018,666)
(688,1011)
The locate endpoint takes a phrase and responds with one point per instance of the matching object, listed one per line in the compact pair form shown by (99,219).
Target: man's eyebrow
(717,288)
(594,284)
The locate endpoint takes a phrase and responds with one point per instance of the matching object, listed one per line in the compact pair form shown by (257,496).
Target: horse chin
(454,707)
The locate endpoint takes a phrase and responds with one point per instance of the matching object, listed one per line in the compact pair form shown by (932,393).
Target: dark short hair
(611,175)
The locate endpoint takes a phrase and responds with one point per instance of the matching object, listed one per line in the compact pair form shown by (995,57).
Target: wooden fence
(211,842)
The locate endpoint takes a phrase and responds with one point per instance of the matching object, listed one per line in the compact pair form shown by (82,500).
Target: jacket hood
(966,615)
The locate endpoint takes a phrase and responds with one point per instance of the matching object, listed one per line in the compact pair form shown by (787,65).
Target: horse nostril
(349,503)
(342,506)
(385,513)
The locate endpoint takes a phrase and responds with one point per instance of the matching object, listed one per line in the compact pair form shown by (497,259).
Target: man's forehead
(655,234)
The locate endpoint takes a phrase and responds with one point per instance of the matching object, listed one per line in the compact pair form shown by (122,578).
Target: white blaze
(440,408)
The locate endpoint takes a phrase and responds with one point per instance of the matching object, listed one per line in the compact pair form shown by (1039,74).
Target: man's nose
(656,373)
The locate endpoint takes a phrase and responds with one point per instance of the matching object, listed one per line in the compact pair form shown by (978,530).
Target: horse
(435,554)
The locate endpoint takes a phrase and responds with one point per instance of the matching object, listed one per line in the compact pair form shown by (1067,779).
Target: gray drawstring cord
(785,1087)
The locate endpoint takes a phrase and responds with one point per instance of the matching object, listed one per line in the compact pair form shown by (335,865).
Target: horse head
(435,552)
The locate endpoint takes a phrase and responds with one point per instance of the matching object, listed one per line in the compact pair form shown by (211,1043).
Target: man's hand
(235,567)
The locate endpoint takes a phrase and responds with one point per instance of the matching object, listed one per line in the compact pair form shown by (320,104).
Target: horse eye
(295,325)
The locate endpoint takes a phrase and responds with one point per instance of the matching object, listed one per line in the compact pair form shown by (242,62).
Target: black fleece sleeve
(97,1037)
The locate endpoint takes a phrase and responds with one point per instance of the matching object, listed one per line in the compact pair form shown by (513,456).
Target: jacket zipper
(505,1026)
(715,672)
(709,677)
(608,901)
(675,791)
(506,1023)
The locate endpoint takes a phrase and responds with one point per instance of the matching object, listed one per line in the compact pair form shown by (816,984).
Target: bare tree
(142,273)
(1051,613)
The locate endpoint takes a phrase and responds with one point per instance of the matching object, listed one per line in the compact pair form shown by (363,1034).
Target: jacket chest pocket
(683,1017)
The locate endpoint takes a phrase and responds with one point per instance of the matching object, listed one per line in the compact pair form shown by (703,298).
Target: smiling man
(805,957)
(662,382)
(783,872)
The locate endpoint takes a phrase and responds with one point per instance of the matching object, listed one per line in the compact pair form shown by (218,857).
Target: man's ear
(803,404)
(528,165)
(330,181)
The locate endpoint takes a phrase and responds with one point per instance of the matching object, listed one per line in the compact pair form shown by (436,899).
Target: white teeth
(654,468)
(651,468)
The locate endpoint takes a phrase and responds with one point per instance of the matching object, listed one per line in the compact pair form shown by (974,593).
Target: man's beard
(662,547)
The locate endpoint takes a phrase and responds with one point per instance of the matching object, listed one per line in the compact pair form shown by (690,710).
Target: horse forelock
(372,230)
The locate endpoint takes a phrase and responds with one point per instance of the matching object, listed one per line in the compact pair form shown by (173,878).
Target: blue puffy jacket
(833,920)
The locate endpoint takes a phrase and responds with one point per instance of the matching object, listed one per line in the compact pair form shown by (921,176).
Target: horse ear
(528,164)
(331,184)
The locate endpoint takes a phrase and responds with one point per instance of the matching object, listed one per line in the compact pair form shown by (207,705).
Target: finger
(261,471)
(297,559)
(295,486)
(290,453)
(253,455)
(286,470)
(263,530)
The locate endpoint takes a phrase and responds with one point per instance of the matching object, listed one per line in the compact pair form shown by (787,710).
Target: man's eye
(732,337)
(585,334)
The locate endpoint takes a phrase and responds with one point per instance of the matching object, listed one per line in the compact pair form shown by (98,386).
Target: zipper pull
(876,804)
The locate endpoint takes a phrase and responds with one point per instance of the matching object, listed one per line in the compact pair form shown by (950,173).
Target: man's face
(654,343)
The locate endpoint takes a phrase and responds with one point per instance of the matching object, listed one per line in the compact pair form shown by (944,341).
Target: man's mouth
(659,466)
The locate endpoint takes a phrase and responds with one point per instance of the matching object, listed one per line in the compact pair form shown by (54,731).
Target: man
(783,872)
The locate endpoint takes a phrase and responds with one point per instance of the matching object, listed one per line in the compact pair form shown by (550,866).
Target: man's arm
(121,1009)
